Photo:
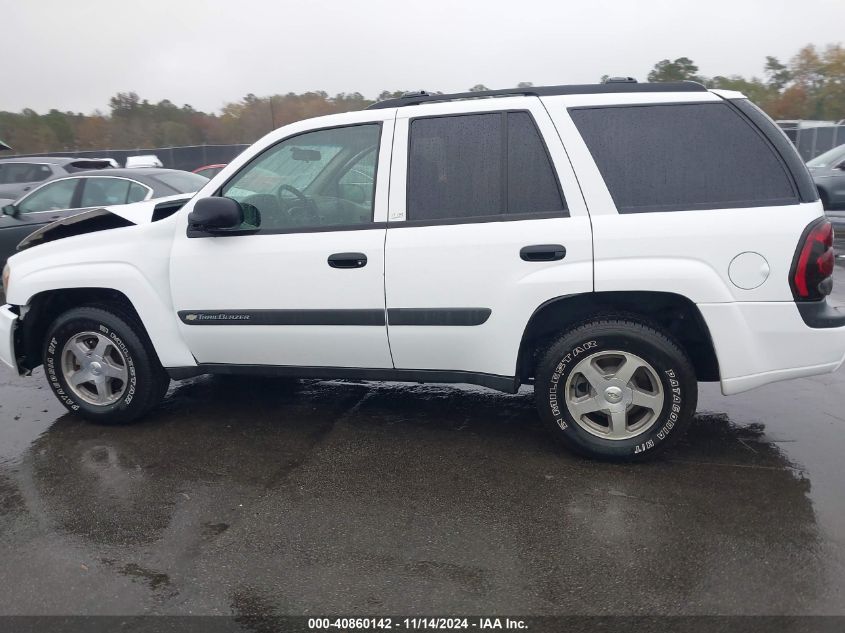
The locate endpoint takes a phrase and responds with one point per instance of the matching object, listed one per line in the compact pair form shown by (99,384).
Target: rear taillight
(811,276)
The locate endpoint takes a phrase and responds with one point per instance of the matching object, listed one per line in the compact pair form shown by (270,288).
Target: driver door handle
(542,253)
(348,260)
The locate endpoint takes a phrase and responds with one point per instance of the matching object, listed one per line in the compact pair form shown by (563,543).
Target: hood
(106,218)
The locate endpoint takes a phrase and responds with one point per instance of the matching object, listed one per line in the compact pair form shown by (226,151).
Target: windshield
(830,157)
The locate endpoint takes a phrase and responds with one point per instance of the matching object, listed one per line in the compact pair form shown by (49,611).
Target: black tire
(146,382)
(667,361)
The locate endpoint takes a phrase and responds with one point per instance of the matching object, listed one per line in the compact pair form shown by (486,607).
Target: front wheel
(616,389)
(101,365)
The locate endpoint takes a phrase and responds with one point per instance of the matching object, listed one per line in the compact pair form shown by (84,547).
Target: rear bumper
(760,343)
(8,323)
(820,314)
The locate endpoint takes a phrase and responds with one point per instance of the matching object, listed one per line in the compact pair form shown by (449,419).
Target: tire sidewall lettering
(56,381)
(651,439)
(559,371)
(52,373)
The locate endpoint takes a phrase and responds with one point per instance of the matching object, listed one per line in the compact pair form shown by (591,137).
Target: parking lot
(259,496)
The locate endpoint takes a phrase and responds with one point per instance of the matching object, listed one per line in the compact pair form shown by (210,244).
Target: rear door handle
(543,252)
(348,260)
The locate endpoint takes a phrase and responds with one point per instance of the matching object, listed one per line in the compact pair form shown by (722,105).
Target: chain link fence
(188,157)
(817,140)
(810,143)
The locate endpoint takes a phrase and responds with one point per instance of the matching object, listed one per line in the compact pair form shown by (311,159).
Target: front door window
(316,179)
(52,197)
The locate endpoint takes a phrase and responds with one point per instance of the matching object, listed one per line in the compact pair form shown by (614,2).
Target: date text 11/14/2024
(419,623)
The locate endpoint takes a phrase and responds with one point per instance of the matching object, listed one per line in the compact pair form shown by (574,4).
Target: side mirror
(10,210)
(216,214)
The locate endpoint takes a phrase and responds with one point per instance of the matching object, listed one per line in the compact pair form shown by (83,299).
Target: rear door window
(478,167)
(102,192)
(678,157)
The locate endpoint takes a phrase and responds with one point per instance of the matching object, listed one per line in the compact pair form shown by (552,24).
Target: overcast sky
(75,55)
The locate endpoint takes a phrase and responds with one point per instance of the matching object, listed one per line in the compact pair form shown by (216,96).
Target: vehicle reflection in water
(440,497)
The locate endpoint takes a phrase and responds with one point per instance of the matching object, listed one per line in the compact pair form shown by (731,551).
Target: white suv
(610,244)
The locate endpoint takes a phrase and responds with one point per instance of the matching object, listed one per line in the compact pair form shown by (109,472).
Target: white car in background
(143,160)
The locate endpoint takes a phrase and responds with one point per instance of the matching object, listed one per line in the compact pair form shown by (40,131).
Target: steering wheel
(312,215)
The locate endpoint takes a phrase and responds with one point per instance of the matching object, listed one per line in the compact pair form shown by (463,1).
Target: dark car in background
(69,195)
(828,171)
(21,174)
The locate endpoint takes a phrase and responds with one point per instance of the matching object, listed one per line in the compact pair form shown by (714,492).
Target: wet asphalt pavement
(251,496)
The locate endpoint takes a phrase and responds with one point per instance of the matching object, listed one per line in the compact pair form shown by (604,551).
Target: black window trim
(481,219)
(702,206)
(329,228)
(496,217)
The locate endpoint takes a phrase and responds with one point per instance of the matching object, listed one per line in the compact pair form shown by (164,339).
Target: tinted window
(532,185)
(51,197)
(455,167)
(687,156)
(319,178)
(101,192)
(479,165)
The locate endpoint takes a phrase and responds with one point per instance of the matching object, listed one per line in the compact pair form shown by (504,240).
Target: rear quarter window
(675,157)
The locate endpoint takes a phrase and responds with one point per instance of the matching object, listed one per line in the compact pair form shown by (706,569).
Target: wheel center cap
(613,394)
(96,368)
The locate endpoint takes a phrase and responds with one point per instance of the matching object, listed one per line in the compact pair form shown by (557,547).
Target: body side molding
(438,316)
(374,316)
(506,384)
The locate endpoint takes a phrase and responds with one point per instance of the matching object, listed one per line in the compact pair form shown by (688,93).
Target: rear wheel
(101,365)
(615,389)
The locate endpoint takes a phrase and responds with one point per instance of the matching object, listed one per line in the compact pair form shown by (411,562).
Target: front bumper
(8,323)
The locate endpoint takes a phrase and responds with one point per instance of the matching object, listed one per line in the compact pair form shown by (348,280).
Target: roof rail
(416,98)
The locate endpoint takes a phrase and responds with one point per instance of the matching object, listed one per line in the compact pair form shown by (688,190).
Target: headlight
(7,272)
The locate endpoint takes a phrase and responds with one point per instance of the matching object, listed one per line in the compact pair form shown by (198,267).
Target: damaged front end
(104,219)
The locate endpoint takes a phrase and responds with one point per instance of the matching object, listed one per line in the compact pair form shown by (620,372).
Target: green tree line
(811,85)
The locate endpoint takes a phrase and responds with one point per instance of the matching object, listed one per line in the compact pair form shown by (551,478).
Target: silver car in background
(19,175)
(828,171)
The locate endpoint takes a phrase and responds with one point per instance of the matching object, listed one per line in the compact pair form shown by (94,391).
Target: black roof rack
(415,98)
